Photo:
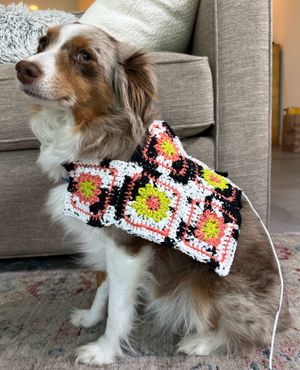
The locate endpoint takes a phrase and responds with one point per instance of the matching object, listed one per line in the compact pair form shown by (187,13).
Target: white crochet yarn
(186,202)
(21,28)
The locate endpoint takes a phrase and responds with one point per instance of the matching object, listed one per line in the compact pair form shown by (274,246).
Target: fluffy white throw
(21,28)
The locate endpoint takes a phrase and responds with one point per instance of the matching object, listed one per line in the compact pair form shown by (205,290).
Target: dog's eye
(43,43)
(84,56)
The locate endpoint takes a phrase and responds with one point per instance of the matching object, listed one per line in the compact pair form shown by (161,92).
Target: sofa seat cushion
(185,99)
(14,113)
(25,228)
(202,148)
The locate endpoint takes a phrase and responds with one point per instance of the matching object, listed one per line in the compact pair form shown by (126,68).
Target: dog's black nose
(27,72)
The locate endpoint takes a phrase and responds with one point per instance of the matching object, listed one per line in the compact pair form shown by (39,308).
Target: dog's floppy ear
(135,83)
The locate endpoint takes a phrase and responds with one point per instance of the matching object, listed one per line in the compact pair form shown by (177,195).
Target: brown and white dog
(94,98)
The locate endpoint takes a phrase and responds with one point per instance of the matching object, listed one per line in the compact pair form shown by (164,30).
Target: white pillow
(154,25)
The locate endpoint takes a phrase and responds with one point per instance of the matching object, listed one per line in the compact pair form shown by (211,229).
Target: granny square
(152,207)
(90,192)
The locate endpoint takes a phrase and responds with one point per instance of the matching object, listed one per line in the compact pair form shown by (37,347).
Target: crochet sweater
(163,195)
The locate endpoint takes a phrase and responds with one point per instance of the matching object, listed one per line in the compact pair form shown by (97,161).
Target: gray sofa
(216,97)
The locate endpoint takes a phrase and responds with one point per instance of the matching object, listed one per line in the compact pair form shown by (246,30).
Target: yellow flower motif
(151,203)
(211,228)
(87,188)
(168,148)
(217,181)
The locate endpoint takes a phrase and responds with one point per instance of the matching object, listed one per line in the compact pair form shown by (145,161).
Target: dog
(93,98)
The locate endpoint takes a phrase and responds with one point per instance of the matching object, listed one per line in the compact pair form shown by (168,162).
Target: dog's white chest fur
(55,130)
(59,144)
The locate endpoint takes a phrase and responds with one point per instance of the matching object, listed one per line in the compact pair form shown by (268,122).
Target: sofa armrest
(236,37)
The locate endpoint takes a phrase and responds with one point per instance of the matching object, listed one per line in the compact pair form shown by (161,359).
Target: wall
(286,32)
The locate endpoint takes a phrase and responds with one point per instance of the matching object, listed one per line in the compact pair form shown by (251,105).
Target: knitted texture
(163,195)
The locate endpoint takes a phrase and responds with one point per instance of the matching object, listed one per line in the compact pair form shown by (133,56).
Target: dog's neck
(62,142)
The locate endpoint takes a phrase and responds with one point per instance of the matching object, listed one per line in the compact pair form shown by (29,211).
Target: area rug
(36,296)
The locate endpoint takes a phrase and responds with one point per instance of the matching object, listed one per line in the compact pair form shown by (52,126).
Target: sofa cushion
(185,99)
(25,227)
(185,91)
(152,25)
(14,113)
(202,148)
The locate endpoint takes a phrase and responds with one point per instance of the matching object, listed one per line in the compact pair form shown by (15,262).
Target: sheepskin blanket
(21,28)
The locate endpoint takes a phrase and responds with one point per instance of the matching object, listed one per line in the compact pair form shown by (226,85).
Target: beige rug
(36,296)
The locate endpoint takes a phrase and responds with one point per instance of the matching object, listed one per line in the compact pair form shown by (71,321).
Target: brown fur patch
(97,106)
(83,81)
(141,84)
(136,246)
(131,243)
(53,33)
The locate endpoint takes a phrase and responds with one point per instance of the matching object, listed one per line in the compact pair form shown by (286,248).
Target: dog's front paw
(95,353)
(84,318)
(194,345)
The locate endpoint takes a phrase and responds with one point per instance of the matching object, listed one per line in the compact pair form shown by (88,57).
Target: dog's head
(106,84)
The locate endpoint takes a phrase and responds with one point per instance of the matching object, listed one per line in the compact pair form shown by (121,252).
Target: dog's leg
(90,317)
(124,276)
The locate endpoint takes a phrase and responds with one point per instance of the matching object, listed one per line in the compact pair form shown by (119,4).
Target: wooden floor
(285,192)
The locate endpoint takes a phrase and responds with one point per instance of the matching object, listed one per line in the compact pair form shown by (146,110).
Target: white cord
(281,283)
